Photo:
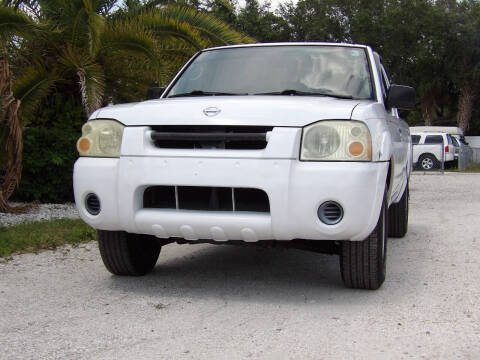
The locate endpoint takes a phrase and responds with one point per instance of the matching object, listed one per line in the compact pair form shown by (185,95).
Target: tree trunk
(465,105)
(427,107)
(10,118)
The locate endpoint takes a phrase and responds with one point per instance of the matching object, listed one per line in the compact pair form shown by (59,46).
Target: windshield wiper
(305,93)
(203,93)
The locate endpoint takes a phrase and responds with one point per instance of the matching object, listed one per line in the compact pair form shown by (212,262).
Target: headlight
(101,138)
(336,141)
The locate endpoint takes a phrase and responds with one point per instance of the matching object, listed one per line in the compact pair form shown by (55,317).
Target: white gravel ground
(225,302)
(41,213)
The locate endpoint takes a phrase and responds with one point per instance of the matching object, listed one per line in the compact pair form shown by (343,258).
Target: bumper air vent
(330,213)
(211,137)
(202,198)
(92,204)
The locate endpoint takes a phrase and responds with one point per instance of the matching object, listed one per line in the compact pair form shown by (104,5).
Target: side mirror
(403,113)
(401,97)
(155,93)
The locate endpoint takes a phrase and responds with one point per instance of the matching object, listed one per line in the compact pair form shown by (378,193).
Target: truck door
(401,140)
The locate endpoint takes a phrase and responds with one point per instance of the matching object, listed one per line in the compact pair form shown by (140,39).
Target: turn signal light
(356,148)
(83,144)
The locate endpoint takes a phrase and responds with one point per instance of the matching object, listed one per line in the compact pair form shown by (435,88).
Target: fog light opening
(92,204)
(330,213)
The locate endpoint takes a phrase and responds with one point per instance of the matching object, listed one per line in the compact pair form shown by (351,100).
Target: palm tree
(11,22)
(99,56)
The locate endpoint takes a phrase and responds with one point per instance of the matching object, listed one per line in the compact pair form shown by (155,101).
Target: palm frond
(217,32)
(175,49)
(13,22)
(92,86)
(131,38)
(96,23)
(32,87)
(91,79)
(105,6)
(164,28)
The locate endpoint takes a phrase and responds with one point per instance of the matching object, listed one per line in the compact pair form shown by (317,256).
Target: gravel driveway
(226,302)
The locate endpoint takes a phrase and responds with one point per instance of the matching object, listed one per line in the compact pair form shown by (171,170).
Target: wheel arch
(427,154)
(389,181)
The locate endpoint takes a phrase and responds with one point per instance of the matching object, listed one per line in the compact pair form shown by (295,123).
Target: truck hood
(294,111)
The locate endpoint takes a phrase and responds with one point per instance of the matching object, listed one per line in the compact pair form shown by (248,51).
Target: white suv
(297,144)
(431,149)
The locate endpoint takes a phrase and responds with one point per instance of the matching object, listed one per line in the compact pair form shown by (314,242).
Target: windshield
(338,71)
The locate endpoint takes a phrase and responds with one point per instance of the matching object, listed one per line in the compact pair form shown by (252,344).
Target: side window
(449,139)
(386,84)
(434,139)
(415,139)
(380,75)
(385,81)
(455,141)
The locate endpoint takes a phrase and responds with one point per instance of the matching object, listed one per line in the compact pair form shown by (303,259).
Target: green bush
(49,151)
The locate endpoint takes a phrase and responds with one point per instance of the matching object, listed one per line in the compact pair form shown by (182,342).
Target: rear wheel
(428,162)
(398,216)
(363,263)
(128,254)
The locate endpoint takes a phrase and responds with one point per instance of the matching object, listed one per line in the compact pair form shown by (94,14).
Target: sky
(275,3)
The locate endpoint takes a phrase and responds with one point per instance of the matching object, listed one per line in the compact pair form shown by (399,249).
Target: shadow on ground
(248,272)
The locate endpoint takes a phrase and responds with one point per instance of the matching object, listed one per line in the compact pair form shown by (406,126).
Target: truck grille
(206,198)
(210,137)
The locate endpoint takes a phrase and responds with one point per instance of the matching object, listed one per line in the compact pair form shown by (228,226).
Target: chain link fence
(465,157)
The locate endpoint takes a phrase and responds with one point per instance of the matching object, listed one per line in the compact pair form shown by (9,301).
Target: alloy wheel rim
(427,163)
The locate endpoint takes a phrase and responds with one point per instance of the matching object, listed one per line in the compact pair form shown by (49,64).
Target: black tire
(363,263)
(398,216)
(428,162)
(128,254)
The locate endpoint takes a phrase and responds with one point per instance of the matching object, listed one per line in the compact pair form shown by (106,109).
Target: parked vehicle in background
(464,147)
(452,130)
(456,145)
(293,144)
(432,149)
(463,153)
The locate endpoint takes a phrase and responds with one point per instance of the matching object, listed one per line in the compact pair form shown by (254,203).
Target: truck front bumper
(295,190)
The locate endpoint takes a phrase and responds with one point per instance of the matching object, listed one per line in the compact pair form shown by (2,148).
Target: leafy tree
(221,9)
(315,20)
(258,21)
(467,59)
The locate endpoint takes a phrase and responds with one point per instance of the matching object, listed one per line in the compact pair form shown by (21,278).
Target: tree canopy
(431,45)
(97,52)
(88,51)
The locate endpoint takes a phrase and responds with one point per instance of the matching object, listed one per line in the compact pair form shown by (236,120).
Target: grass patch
(35,236)
(473,168)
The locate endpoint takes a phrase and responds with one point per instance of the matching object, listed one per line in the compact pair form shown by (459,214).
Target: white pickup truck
(288,144)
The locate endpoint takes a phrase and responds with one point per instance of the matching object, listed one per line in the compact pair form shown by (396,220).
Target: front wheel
(128,254)
(363,263)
